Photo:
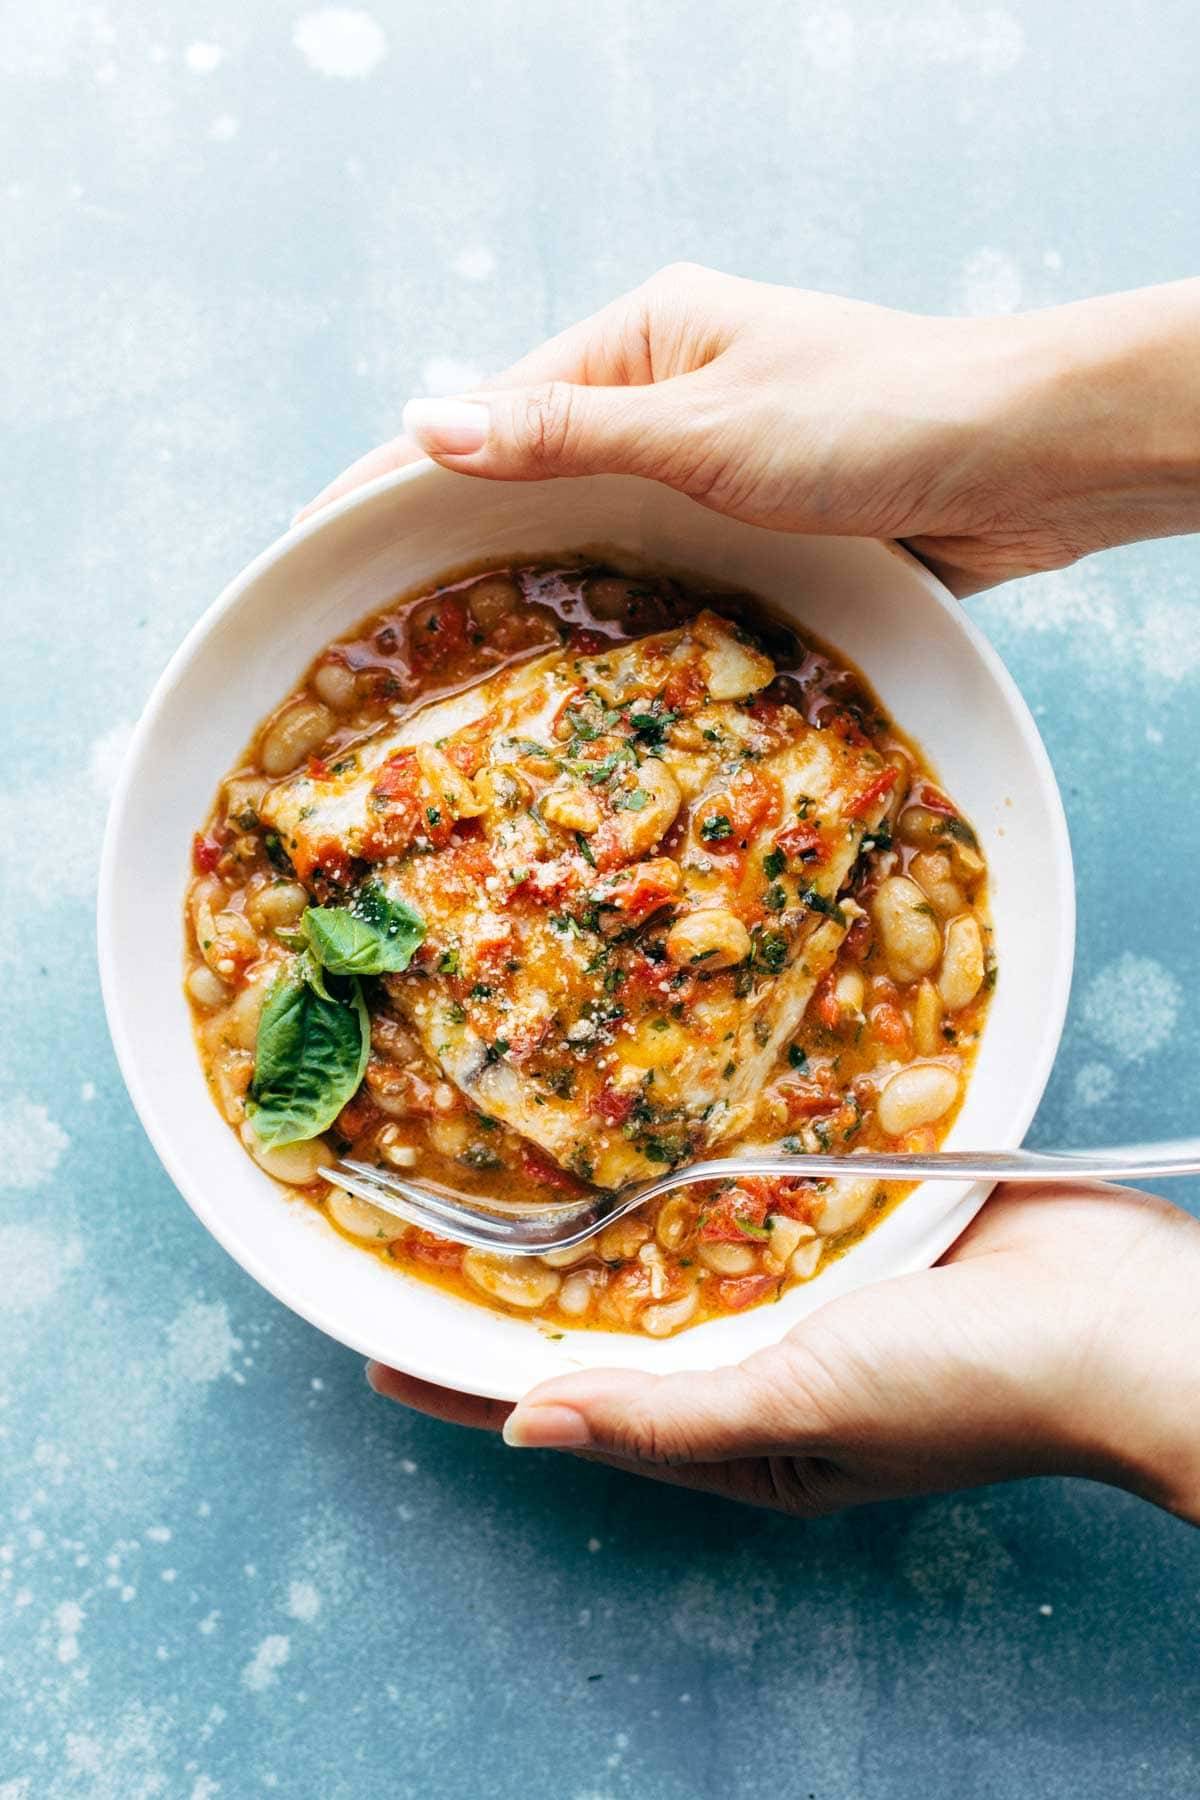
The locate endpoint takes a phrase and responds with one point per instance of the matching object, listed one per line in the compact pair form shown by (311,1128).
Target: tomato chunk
(735,1217)
(873,793)
(803,842)
(206,853)
(738,1291)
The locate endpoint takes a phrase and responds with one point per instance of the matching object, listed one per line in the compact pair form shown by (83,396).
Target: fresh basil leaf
(309,1058)
(374,936)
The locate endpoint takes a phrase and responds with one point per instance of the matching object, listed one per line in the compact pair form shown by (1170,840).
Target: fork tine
(412,1212)
(452,1206)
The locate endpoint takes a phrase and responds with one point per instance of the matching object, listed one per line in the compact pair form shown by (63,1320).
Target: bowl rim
(269,1275)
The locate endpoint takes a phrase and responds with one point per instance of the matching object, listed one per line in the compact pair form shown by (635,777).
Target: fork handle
(1180,1156)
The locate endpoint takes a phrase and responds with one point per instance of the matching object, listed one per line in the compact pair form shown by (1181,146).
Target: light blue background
(225,1568)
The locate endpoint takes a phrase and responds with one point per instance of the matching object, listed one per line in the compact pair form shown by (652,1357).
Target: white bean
(845,1204)
(804,1260)
(300,728)
(927,1020)
(297,1164)
(336,685)
(360,1218)
(280,903)
(572,807)
(206,988)
(492,599)
(575,1294)
(566,1259)
(849,991)
(727,1259)
(912,942)
(786,1236)
(918,1095)
(515,1281)
(676,1218)
(934,875)
(240,1024)
(962,969)
(661,1320)
(622,1239)
(715,937)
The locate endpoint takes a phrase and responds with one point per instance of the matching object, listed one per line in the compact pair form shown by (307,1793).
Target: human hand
(1059,1336)
(993,447)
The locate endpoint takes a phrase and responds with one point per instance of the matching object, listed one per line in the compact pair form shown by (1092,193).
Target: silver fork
(517,1230)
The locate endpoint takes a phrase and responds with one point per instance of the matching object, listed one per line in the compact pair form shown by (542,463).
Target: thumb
(762,1407)
(563,428)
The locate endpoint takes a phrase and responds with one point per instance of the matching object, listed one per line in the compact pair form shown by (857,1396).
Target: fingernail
(372,1372)
(447,427)
(548,1427)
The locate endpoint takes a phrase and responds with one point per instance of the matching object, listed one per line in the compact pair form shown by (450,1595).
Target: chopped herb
(775,898)
(634,802)
(433,815)
(954,827)
(585,850)
(770,950)
(797,1058)
(729,1070)
(774,863)
(449,963)
(481,991)
(703,955)
(659,1024)
(749,1229)
(479,1156)
(455,1013)
(496,1049)
(715,827)
(652,727)
(613,980)
(819,904)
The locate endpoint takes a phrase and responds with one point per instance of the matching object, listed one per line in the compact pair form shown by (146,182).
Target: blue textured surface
(225,1568)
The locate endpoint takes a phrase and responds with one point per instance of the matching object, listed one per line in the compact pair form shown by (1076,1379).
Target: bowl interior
(935,673)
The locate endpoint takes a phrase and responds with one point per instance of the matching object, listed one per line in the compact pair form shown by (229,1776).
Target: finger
(799,1486)
(475,1410)
(667,429)
(757,1408)
(610,346)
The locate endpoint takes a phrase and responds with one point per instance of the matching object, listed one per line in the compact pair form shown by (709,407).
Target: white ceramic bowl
(935,673)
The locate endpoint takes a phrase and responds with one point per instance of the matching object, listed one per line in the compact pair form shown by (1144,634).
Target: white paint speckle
(1052,259)
(68,1617)
(303,1602)
(443,375)
(223,129)
(31,1144)
(32,1265)
(340,42)
(990,283)
(200,1343)
(1047,1612)
(1094,1084)
(593,1545)
(262,1670)
(158,1534)
(88,1091)
(203,58)
(209,1623)
(1131,1007)
(476,263)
